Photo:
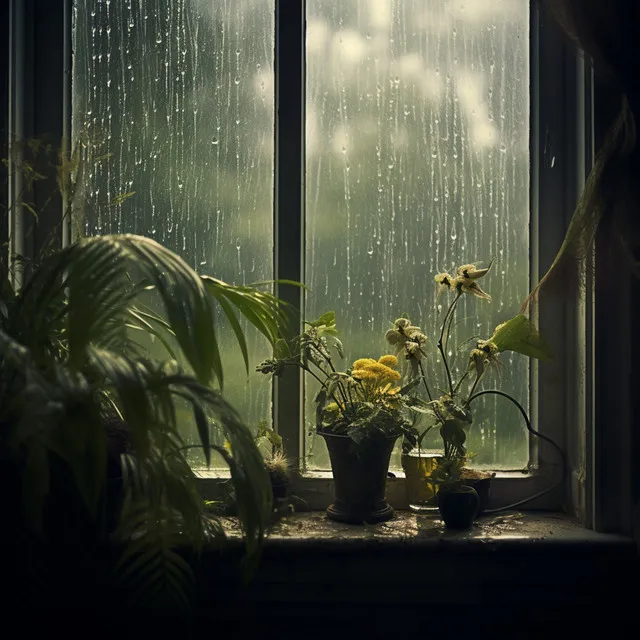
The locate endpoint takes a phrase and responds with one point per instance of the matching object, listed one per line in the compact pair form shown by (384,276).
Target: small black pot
(458,506)
(360,477)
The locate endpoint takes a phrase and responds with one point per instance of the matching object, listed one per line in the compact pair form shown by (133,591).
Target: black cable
(535,433)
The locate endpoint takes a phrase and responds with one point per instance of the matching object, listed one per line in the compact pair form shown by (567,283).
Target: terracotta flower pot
(360,477)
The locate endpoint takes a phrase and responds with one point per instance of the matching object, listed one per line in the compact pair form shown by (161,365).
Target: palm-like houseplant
(73,380)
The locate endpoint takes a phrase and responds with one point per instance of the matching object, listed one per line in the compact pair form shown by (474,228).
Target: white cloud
(317,34)
(350,46)
(410,65)
(380,13)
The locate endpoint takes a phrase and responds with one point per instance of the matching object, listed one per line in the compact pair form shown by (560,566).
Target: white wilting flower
(484,355)
(471,271)
(445,282)
(465,280)
(467,285)
(408,338)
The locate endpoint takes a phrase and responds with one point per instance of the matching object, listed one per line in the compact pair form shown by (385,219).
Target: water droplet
(370,251)
(215,141)
(236,80)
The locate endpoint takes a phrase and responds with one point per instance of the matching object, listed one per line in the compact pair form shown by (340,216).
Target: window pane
(418,161)
(181,95)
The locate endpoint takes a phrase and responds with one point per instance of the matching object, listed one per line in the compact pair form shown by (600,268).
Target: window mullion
(289,204)
(39,63)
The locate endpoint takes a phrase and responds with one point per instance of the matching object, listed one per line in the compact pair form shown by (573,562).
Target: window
(417,160)
(182,95)
(179,95)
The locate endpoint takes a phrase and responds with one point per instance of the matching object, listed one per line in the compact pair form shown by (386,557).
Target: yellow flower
(369,369)
(382,371)
(364,374)
(332,407)
(362,362)
(389,361)
(389,390)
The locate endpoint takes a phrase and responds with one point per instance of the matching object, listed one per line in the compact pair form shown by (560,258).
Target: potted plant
(360,413)
(276,462)
(449,412)
(89,428)
(458,502)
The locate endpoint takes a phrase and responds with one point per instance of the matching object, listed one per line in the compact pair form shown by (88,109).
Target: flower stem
(310,372)
(424,380)
(450,311)
(462,379)
(479,377)
(327,358)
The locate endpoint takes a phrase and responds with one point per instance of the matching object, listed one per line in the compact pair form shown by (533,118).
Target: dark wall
(4,119)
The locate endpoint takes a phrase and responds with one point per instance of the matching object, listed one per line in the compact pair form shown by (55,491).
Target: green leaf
(519,335)
(412,384)
(293,283)
(281,349)
(150,329)
(237,329)
(120,198)
(326,319)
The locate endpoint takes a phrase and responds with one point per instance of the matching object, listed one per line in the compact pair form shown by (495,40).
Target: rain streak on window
(418,161)
(178,98)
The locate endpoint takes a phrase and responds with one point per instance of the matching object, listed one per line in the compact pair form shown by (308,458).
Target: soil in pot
(360,476)
(459,506)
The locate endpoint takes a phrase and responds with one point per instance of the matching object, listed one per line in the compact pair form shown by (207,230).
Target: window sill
(509,529)
(524,568)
